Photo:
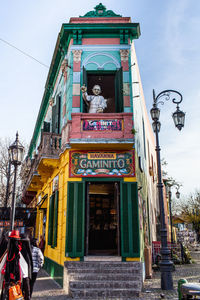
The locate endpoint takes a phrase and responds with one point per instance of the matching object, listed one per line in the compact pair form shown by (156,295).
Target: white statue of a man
(96,102)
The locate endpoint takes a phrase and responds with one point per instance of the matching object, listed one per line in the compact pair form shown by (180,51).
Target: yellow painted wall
(57,254)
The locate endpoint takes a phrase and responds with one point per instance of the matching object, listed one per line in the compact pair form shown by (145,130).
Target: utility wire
(24,53)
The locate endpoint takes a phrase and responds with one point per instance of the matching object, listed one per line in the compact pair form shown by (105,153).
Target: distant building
(92,175)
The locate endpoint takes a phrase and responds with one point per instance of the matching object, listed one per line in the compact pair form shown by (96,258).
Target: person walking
(26,251)
(42,243)
(38,260)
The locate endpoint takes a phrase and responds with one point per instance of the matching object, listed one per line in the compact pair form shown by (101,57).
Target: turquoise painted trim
(75,109)
(100,47)
(100,28)
(131,86)
(126,77)
(108,60)
(100,11)
(63,40)
(127,109)
(76,77)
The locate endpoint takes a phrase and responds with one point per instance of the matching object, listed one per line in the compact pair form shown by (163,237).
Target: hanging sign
(101,125)
(102,164)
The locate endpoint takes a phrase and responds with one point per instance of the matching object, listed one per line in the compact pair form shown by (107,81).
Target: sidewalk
(47,289)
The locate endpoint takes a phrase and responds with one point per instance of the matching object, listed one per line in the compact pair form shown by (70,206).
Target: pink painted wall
(101,41)
(101,20)
(76,131)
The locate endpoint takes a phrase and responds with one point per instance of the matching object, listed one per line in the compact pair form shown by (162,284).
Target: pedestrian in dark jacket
(38,260)
(3,243)
(27,254)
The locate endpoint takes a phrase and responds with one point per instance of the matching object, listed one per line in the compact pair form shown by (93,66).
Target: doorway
(102,218)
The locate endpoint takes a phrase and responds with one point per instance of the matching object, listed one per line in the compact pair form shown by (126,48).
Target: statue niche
(95,102)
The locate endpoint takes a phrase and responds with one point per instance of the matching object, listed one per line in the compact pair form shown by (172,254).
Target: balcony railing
(108,128)
(49,148)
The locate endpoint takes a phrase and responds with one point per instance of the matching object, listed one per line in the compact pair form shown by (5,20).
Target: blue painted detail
(76,77)
(101,60)
(99,47)
(127,109)
(126,77)
(75,109)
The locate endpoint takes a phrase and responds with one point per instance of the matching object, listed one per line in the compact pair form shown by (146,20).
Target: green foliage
(187,256)
(191,210)
(133,131)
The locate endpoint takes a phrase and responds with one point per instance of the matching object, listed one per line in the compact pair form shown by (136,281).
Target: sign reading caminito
(102,164)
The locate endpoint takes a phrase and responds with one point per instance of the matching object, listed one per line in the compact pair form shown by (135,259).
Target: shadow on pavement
(46,288)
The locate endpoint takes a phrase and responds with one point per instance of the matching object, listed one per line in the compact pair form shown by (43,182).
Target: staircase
(103,279)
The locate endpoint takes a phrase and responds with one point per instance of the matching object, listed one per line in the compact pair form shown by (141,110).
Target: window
(53,220)
(111,88)
(56,115)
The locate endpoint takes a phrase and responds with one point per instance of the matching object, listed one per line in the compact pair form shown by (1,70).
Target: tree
(4,174)
(191,210)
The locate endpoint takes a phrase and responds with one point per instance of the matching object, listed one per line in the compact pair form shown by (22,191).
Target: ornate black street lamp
(8,181)
(169,185)
(179,117)
(16,152)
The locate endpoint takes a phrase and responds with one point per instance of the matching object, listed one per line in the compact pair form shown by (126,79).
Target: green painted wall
(54,270)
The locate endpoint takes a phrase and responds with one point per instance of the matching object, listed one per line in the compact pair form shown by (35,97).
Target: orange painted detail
(126,100)
(76,101)
(101,20)
(101,41)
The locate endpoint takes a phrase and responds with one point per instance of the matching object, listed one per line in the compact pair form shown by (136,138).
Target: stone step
(102,265)
(104,294)
(104,271)
(110,285)
(103,276)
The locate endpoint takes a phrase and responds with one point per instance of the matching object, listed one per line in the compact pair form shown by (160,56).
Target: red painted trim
(77,66)
(100,41)
(125,65)
(127,101)
(76,101)
(101,20)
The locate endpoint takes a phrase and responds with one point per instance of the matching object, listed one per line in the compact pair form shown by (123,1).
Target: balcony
(34,172)
(107,129)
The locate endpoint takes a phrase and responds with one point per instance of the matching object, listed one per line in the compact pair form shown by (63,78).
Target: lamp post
(169,185)
(8,180)
(179,117)
(16,151)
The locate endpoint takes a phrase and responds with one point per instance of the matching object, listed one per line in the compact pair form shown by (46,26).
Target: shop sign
(7,223)
(102,164)
(99,125)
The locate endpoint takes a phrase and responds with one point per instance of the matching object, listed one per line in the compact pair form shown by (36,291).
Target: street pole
(8,183)
(12,217)
(170,215)
(16,151)
(166,265)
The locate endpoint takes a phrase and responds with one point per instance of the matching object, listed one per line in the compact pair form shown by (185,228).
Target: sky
(168,53)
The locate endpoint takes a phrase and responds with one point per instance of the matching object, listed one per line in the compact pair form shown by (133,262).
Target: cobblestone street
(46,288)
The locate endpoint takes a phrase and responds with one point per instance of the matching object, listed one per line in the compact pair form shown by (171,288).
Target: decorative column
(76,80)
(124,54)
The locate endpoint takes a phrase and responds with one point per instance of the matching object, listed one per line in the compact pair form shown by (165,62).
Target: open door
(102,237)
